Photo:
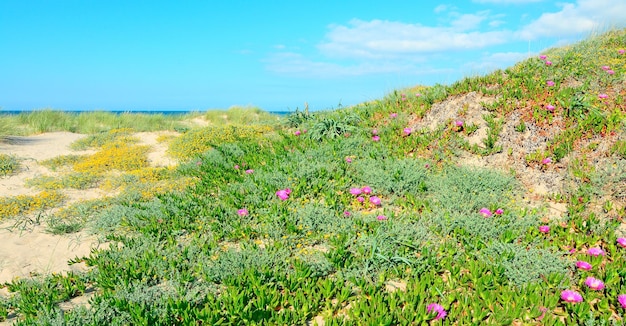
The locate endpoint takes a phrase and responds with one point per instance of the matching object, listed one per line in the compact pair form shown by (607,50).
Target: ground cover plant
(367,214)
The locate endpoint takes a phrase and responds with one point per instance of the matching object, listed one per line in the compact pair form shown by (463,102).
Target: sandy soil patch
(29,250)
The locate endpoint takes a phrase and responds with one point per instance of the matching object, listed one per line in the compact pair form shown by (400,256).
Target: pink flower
(583,265)
(571,296)
(458,123)
(355,191)
(610,72)
(297,133)
(366,190)
(621,51)
(381,217)
(550,83)
(594,283)
(347,214)
(543,57)
(550,107)
(249,171)
(603,96)
(544,229)
(548,63)
(375,138)
(622,300)
(375,200)
(546,161)
(283,194)
(407,131)
(403,97)
(348,159)
(621,242)
(499,211)
(242,212)
(360,199)
(374,131)
(485,212)
(595,251)
(441,313)
(605,68)
(393,115)
(418,94)
(236,167)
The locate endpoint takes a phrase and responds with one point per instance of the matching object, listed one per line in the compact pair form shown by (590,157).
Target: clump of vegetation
(114,156)
(26,204)
(198,141)
(9,164)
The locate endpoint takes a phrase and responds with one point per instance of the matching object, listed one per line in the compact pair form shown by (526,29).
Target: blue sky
(276,55)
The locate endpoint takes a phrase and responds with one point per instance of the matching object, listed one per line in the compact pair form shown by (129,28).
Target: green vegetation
(366,215)
(8,164)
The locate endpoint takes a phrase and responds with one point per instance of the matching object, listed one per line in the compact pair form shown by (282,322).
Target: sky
(276,55)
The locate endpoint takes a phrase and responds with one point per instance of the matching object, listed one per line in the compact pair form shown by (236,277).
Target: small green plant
(9,164)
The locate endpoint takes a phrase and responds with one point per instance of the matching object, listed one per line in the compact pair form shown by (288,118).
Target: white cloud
(507,1)
(469,21)
(386,39)
(585,16)
(290,63)
(492,61)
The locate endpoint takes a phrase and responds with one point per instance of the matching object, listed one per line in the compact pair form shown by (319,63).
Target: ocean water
(163,112)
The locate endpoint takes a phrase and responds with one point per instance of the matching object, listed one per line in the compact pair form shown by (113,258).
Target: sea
(163,112)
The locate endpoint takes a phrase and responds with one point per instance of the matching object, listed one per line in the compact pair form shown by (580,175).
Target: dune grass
(348,217)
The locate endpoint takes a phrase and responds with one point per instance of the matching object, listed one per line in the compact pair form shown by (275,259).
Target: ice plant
(348,159)
(621,51)
(546,161)
(418,94)
(375,200)
(621,242)
(543,57)
(366,190)
(550,83)
(381,217)
(375,138)
(550,107)
(242,212)
(347,214)
(297,133)
(583,265)
(548,63)
(499,211)
(407,131)
(610,72)
(393,115)
(485,212)
(360,199)
(249,171)
(603,96)
(544,229)
(355,191)
(594,283)
(374,131)
(283,194)
(622,300)
(571,296)
(434,307)
(595,251)
(236,167)
(605,68)
(459,123)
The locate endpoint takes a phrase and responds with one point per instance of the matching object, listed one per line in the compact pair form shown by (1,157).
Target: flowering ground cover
(366,215)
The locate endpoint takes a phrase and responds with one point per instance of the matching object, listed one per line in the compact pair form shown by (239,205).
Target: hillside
(496,200)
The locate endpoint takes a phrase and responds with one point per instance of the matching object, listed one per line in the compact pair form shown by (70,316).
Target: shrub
(9,164)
